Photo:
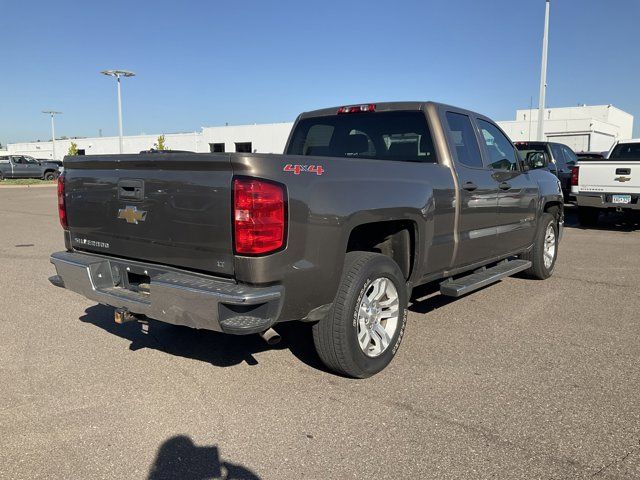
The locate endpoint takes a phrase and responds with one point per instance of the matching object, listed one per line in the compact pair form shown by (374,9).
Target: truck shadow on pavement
(612,221)
(180,458)
(207,346)
(224,350)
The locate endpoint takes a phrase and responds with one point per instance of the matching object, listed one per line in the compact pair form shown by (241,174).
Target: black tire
(335,337)
(536,255)
(588,217)
(50,176)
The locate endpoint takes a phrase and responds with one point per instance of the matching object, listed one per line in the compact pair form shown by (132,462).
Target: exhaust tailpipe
(271,337)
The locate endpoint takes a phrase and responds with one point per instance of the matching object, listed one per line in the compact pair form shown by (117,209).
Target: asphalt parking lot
(524,379)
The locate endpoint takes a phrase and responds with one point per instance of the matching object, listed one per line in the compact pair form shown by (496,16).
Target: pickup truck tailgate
(610,176)
(168,208)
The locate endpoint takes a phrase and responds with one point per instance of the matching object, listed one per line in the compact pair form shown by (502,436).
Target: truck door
(478,192)
(564,168)
(5,166)
(19,167)
(32,168)
(517,192)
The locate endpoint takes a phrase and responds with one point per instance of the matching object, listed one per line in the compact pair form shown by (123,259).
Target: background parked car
(554,157)
(23,166)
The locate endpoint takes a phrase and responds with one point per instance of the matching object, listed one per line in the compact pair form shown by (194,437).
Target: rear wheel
(50,176)
(544,253)
(364,328)
(588,216)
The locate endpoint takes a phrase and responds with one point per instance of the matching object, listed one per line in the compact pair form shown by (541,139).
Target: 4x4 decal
(298,169)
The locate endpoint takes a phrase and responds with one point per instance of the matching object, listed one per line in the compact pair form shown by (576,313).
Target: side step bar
(483,277)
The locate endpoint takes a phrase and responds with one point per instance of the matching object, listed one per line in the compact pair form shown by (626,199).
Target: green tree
(159,145)
(73,149)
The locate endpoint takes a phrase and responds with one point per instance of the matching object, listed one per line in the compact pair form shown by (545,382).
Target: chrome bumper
(175,297)
(599,200)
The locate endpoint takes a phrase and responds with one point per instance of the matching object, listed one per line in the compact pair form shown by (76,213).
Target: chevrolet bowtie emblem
(132,214)
(622,179)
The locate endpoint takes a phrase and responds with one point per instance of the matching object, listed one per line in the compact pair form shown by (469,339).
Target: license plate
(620,198)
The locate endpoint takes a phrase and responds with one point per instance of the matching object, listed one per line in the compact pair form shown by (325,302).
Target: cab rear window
(401,136)
(625,150)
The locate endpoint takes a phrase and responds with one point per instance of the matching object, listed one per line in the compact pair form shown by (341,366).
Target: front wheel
(544,253)
(364,328)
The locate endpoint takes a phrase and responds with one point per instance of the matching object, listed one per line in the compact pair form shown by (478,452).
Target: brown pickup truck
(366,202)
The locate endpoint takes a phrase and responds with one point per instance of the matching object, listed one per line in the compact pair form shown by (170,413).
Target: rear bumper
(175,297)
(601,200)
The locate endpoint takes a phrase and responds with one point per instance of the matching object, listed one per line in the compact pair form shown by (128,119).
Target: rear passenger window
(570,158)
(557,153)
(502,154)
(464,139)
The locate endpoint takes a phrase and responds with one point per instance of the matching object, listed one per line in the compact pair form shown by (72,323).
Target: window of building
(216,147)
(243,147)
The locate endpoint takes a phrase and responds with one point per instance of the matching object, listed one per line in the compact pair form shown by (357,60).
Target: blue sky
(202,63)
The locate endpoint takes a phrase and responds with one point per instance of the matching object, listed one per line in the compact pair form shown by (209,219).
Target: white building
(584,128)
(263,138)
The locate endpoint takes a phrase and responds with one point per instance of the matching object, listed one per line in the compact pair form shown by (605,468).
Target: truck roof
(385,107)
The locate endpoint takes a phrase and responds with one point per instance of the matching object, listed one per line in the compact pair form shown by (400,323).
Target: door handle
(131,189)
(504,186)
(470,186)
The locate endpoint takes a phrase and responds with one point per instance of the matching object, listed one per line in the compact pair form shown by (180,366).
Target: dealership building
(583,128)
(263,138)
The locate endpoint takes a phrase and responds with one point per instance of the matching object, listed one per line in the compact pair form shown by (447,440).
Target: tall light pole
(118,74)
(53,113)
(543,72)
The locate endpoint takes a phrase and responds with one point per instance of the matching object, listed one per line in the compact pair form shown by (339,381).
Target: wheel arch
(397,239)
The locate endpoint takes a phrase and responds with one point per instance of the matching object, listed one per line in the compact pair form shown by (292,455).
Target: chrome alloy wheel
(378,317)
(549,246)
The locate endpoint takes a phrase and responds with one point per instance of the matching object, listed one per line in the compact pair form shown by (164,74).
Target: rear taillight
(62,205)
(575,175)
(259,216)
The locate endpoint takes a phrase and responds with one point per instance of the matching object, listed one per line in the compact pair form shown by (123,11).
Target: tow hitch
(123,315)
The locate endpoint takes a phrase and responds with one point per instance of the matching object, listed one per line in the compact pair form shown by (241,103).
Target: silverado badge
(132,214)
(622,179)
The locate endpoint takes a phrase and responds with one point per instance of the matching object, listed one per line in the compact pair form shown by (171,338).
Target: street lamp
(118,74)
(543,72)
(53,113)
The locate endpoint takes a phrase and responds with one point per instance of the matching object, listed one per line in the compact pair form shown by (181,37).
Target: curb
(44,185)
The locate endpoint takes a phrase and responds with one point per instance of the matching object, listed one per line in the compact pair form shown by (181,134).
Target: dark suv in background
(554,157)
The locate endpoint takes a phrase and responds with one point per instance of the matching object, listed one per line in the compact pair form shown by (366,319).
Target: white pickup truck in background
(612,184)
